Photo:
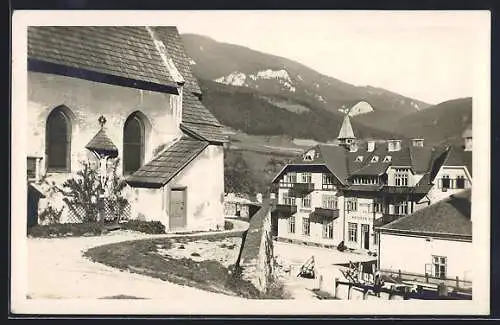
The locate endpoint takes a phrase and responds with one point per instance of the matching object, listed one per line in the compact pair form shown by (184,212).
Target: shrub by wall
(65,230)
(148,227)
(228,225)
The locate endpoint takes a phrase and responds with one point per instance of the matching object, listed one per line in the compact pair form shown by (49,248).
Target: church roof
(124,55)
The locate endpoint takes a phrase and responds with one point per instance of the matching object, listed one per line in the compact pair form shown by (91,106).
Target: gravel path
(57,269)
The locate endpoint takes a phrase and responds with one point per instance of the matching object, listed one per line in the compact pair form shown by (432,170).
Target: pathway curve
(57,269)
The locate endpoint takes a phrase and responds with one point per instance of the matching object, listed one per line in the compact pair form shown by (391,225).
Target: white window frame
(352,204)
(352,232)
(306,226)
(327,229)
(439,262)
(329,201)
(401,177)
(291,225)
(306,201)
(374,159)
(307,177)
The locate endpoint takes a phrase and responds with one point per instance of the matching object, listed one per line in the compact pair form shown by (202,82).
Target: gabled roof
(167,164)
(175,47)
(212,134)
(109,54)
(193,111)
(372,169)
(450,217)
(199,122)
(346,131)
(457,156)
(101,143)
(331,157)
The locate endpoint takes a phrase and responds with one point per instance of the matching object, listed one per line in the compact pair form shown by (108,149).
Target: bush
(148,227)
(51,215)
(65,230)
(228,225)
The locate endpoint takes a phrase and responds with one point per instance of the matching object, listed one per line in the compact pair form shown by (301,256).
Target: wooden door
(177,208)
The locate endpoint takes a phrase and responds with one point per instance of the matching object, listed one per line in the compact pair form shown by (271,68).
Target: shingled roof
(166,165)
(457,156)
(212,134)
(193,111)
(175,47)
(112,54)
(448,218)
(101,143)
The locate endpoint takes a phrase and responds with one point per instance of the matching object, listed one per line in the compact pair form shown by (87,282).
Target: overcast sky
(425,55)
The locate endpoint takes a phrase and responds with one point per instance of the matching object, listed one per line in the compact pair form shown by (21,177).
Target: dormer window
(309,156)
(359,159)
(374,159)
(387,159)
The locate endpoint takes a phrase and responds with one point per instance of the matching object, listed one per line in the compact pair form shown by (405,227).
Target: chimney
(393,145)
(370,146)
(418,142)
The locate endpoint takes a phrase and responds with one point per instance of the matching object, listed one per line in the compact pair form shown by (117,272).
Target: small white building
(436,240)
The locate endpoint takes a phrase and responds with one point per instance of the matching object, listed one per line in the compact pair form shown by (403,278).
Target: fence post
(426,277)
(349,292)
(335,285)
(399,274)
(458,282)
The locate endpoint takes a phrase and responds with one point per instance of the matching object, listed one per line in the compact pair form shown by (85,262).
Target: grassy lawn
(193,261)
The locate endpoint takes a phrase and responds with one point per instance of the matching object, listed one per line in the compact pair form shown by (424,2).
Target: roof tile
(123,51)
(161,169)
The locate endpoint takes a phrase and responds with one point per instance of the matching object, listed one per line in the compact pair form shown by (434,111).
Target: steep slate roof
(126,52)
(346,131)
(175,47)
(456,156)
(343,163)
(193,111)
(103,144)
(208,133)
(166,165)
(450,217)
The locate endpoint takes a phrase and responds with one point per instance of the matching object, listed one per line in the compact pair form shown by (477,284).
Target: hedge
(148,227)
(65,230)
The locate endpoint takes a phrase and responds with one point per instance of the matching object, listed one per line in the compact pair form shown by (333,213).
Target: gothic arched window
(58,141)
(133,143)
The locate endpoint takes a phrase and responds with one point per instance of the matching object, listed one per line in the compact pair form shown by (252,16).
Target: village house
(439,238)
(96,94)
(240,207)
(335,194)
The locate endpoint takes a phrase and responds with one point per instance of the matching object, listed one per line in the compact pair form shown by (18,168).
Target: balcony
(324,213)
(385,219)
(388,189)
(301,189)
(285,209)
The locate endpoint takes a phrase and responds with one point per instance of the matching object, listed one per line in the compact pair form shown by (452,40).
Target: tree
(238,178)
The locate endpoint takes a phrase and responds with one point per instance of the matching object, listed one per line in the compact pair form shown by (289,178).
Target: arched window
(133,143)
(58,141)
